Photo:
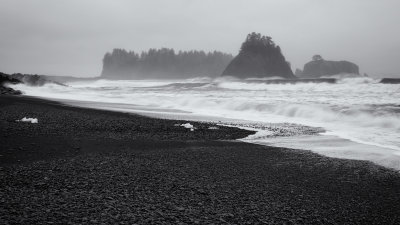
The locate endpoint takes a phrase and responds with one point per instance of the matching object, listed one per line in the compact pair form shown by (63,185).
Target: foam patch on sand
(28,120)
(188,126)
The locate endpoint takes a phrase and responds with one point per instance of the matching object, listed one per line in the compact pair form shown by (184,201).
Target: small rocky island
(6,79)
(259,57)
(319,67)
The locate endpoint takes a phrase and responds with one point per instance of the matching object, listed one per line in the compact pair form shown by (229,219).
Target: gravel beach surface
(86,166)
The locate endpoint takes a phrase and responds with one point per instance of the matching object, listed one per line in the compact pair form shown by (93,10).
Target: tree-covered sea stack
(259,57)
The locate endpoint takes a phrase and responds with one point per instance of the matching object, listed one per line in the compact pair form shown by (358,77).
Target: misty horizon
(71,38)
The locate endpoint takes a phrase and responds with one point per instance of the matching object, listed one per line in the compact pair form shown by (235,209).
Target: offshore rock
(259,57)
(319,67)
(4,79)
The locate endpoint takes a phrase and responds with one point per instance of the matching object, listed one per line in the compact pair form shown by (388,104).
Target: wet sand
(91,166)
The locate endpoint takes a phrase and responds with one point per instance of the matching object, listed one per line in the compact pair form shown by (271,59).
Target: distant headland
(163,63)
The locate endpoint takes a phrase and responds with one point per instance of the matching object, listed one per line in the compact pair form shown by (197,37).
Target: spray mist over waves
(359,109)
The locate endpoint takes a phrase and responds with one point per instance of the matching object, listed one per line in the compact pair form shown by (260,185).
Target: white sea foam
(358,109)
(29,120)
(188,126)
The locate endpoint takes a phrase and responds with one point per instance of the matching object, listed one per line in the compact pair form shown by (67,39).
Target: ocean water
(356,118)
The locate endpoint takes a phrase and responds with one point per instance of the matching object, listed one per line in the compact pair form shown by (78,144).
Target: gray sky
(70,37)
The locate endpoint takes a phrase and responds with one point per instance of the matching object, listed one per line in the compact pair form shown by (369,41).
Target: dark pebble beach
(86,166)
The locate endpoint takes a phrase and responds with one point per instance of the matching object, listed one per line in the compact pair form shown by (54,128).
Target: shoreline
(91,166)
(286,135)
(83,121)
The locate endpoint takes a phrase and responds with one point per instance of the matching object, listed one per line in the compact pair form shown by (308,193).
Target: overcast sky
(70,37)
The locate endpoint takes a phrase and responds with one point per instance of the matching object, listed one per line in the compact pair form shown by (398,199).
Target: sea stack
(259,57)
(319,67)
